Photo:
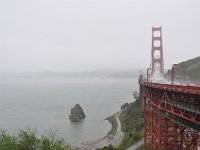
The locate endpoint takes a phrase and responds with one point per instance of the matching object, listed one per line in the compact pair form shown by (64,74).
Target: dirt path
(105,141)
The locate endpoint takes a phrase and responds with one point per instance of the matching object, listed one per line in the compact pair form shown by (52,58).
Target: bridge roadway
(183,88)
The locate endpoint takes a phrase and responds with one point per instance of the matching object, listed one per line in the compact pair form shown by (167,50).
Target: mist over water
(44,104)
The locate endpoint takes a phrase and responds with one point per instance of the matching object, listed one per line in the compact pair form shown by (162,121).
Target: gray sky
(79,35)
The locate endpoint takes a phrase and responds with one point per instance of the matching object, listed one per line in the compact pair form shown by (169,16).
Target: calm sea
(44,104)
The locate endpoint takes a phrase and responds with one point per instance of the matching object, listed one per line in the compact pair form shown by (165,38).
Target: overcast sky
(81,35)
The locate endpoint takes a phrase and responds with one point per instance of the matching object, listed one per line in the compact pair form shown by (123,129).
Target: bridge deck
(189,89)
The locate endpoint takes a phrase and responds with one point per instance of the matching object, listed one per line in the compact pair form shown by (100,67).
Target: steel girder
(169,120)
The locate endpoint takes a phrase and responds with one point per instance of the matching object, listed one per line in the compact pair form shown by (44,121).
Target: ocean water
(44,104)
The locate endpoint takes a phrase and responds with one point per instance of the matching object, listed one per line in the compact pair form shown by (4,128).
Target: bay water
(44,104)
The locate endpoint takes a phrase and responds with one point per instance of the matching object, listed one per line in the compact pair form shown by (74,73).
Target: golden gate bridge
(171,110)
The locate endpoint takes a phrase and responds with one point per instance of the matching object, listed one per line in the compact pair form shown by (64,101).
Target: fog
(83,35)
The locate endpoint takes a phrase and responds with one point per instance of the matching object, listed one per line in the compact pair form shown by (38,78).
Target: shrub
(28,140)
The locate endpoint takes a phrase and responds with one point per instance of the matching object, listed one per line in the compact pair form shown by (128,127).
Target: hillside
(132,124)
(191,69)
(187,70)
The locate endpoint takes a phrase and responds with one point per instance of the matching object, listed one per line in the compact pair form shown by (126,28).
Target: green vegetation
(188,70)
(191,69)
(132,124)
(28,140)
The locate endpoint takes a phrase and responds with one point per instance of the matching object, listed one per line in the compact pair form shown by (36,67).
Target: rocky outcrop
(77,113)
(124,106)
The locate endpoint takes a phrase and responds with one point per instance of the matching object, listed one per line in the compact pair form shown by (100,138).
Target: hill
(190,69)
(187,70)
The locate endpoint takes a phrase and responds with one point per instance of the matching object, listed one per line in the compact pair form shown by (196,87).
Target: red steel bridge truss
(171,115)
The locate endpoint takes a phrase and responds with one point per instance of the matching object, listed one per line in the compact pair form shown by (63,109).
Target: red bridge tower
(157,64)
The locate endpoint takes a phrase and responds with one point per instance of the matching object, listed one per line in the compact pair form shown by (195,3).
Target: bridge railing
(191,89)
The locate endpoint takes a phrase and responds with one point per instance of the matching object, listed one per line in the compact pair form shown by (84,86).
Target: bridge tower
(157,61)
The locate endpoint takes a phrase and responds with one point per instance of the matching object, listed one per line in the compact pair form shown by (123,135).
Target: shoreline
(114,125)
(114,136)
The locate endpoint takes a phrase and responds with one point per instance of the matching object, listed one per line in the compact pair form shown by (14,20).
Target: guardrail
(182,88)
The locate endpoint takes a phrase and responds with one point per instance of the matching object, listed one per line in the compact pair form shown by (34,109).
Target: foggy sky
(80,35)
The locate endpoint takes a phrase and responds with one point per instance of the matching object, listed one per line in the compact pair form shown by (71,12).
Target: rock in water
(77,113)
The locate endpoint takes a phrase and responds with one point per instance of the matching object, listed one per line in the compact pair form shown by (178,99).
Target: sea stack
(77,113)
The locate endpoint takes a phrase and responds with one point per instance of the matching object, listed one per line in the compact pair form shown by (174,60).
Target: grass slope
(191,69)
(132,124)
